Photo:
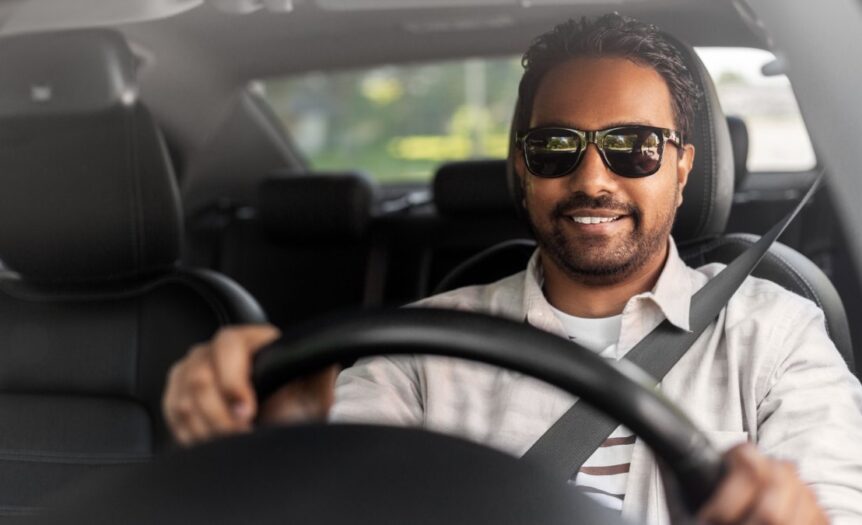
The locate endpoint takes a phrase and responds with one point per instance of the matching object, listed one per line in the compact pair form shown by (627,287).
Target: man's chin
(599,274)
(598,268)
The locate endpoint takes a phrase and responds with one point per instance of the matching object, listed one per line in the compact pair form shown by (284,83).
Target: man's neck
(583,299)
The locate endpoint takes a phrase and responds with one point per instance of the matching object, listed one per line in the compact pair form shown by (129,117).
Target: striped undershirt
(603,476)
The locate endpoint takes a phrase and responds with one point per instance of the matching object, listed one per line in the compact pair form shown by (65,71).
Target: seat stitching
(18,510)
(72,458)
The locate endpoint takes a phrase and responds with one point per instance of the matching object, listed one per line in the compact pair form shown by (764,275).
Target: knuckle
(175,372)
(788,468)
(199,379)
(783,473)
(196,352)
(225,336)
(183,410)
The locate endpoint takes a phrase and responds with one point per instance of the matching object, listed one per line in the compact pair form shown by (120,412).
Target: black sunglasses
(629,151)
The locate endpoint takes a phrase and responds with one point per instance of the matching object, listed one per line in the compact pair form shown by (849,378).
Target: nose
(592,177)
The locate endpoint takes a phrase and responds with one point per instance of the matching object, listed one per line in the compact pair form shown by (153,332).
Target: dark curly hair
(615,36)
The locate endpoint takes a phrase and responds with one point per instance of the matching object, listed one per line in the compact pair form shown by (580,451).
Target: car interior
(150,194)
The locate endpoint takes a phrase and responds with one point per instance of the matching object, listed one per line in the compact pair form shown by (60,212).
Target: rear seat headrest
(87,191)
(320,207)
(739,142)
(472,187)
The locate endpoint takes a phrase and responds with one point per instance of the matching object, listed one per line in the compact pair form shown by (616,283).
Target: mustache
(604,202)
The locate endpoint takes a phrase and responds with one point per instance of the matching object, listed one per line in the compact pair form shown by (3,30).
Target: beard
(600,259)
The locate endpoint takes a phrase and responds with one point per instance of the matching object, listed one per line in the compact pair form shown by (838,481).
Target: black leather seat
(739,143)
(93,307)
(471,211)
(304,251)
(699,227)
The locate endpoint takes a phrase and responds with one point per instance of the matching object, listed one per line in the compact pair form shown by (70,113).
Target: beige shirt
(765,371)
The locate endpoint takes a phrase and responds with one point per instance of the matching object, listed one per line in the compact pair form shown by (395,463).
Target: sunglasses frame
(597,137)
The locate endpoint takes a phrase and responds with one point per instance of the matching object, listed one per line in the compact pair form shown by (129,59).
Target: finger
(807,510)
(178,420)
(780,496)
(183,436)
(321,387)
(211,406)
(302,400)
(735,497)
(195,429)
(290,404)
(190,398)
(170,400)
(233,349)
(177,403)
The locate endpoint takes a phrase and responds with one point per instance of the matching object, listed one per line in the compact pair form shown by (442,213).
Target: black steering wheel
(319,474)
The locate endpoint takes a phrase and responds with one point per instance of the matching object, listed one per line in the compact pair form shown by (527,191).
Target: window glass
(398,123)
(778,140)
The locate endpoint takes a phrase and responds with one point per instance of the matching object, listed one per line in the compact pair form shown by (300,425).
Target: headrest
(709,192)
(316,207)
(473,187)
(739,143)
(64,73)
(88,193)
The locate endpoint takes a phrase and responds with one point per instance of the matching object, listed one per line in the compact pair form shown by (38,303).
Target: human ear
(684,163)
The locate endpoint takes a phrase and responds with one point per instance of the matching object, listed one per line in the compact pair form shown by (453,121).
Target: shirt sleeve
(379,390)
(811,414)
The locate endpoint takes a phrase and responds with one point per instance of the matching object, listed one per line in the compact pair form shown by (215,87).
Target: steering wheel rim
(618,389)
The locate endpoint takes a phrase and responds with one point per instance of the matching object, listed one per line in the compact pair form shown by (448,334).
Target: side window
(778,140)
(398,123)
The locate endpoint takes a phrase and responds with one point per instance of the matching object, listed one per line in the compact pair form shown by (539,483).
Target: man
(604,108)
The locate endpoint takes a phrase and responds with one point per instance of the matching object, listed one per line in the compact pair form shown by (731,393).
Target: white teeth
(593,220)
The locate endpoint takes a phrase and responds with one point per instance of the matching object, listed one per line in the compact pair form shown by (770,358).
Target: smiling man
(604,109)
(607,229)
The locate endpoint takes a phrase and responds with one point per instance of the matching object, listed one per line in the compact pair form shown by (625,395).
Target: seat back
(93,307)
(471,211)
(304,251)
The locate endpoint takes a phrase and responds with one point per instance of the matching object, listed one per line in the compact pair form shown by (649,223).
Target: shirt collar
(671,293)
(673,290)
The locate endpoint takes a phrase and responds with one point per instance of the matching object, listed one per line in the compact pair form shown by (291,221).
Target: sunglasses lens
(634,152)
(551,152)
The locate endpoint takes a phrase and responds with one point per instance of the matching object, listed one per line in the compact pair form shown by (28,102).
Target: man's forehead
(597,93)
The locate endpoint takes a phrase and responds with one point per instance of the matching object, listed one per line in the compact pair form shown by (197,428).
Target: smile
(595,220)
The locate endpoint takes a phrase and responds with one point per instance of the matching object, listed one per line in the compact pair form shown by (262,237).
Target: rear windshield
(398,123)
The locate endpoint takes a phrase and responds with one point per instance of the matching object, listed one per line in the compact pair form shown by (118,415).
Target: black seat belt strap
(576,435)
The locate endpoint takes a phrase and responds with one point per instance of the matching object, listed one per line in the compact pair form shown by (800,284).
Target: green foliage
(399,123)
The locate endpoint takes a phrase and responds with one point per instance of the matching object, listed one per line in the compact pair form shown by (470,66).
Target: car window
(778,140)
(398,123)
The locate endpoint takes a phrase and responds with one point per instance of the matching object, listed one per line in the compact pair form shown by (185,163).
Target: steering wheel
(316,474)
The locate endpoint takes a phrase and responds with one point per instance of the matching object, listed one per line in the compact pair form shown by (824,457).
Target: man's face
(593,94)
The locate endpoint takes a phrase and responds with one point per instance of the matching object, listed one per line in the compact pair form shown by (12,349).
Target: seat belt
(576,435)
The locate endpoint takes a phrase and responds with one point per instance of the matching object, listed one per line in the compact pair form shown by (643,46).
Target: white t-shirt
(603,476)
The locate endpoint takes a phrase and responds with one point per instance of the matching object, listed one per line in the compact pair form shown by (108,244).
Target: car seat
(304,251)
(94,308)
